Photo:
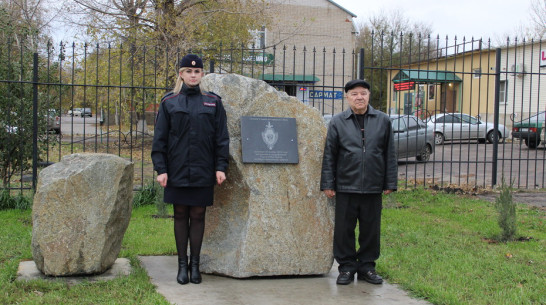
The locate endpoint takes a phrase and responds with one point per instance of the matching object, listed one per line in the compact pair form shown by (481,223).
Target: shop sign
(256,58)
(327,95)
(543,58)
(404,86)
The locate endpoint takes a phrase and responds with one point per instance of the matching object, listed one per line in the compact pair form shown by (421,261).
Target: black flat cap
(356,83)
(191,61)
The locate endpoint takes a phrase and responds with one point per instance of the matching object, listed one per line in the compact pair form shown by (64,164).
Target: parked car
(53,121)
(461,126)
(412,137)
(86,112)
(531,130)
(75,112)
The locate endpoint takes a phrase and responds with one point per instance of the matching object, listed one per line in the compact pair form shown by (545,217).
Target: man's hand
(330,193)
(386,192)
(162,179)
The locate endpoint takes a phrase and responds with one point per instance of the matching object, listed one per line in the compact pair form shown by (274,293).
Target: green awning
(290,78)
(425,76)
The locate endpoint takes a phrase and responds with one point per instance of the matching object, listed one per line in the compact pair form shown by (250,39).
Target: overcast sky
(493,19)
(469,18)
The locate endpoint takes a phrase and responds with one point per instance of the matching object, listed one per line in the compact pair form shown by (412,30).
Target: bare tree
(537,29)
(534,28)
(390,39)
(26,19)
(184,23)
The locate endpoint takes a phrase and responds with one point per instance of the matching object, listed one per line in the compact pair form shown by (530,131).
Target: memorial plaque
(269,140)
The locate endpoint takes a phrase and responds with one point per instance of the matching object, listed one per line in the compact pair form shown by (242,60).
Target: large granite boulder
(268,219)
(81,210)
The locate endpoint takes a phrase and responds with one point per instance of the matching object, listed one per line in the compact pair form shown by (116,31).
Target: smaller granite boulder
(81,211)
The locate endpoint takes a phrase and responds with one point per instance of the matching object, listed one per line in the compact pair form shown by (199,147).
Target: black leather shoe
(345,278)
(371,277)
(195,274)
(182,276)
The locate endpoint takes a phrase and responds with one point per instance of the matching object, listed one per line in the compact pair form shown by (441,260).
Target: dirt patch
(537,199)
(532,198)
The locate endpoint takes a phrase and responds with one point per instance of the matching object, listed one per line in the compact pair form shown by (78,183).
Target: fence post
(496,117)
(35,122)
(211,67)
(361,64)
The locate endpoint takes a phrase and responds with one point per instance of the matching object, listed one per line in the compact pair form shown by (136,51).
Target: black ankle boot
(182,277)
(195,275)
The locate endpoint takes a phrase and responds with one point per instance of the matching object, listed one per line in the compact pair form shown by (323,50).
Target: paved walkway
(220,290)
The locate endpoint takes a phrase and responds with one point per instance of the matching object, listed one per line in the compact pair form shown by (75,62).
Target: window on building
(290,90)
(502,92)
(477,73)
(258,38)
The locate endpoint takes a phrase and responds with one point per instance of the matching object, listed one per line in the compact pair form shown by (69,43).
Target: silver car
(412,137)
(461,126)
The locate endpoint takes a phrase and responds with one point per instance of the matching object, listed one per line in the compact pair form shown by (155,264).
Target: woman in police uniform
(190,153)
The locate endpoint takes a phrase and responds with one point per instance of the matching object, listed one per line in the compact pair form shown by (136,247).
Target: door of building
(448,102)
(408,102)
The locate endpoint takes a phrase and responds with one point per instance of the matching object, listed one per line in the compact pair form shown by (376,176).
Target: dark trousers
(366,208)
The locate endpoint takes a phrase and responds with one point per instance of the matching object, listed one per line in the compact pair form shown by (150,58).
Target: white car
(75,112)
(461,126)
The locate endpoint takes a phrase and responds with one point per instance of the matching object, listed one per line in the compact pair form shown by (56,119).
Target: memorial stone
(268,219)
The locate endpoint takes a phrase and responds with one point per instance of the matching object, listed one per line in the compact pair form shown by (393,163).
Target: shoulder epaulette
(168,95)
(214,95)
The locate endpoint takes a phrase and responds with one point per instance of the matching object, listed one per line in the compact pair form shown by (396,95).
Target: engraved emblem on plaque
(270,136)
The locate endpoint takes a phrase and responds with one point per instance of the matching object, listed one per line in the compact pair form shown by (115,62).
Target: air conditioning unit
(518,70)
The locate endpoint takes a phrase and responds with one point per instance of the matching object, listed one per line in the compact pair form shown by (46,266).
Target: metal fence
(45,94)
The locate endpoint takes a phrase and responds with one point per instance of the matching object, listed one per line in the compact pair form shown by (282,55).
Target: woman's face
(192,76)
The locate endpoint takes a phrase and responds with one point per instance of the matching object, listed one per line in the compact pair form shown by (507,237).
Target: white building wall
(525,79)
(306,33)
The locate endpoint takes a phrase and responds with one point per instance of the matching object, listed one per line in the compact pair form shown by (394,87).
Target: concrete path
(220,290)
(28,271)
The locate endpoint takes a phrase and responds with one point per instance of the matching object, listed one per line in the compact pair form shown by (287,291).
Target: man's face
(358,98)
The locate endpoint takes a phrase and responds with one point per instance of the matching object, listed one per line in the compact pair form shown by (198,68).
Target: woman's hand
(220,177)
(162,179)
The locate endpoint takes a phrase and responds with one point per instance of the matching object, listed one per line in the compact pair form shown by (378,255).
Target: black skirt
(191,196)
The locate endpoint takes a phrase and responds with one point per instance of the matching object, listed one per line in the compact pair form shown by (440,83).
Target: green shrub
(507,213)
(7,201)
(149,194)
(161,209)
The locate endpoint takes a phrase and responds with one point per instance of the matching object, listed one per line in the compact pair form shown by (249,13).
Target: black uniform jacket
(352,165)
(191,140)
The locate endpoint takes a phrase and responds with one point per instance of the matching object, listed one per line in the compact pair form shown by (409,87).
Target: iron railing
(122,85)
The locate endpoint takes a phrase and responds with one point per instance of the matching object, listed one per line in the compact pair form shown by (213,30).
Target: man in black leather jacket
(358,166)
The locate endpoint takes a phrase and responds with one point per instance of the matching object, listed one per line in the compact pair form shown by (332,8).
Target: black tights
(189,222)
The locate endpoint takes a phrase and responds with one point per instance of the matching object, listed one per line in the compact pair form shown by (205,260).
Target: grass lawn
(437,246)
(440,248)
